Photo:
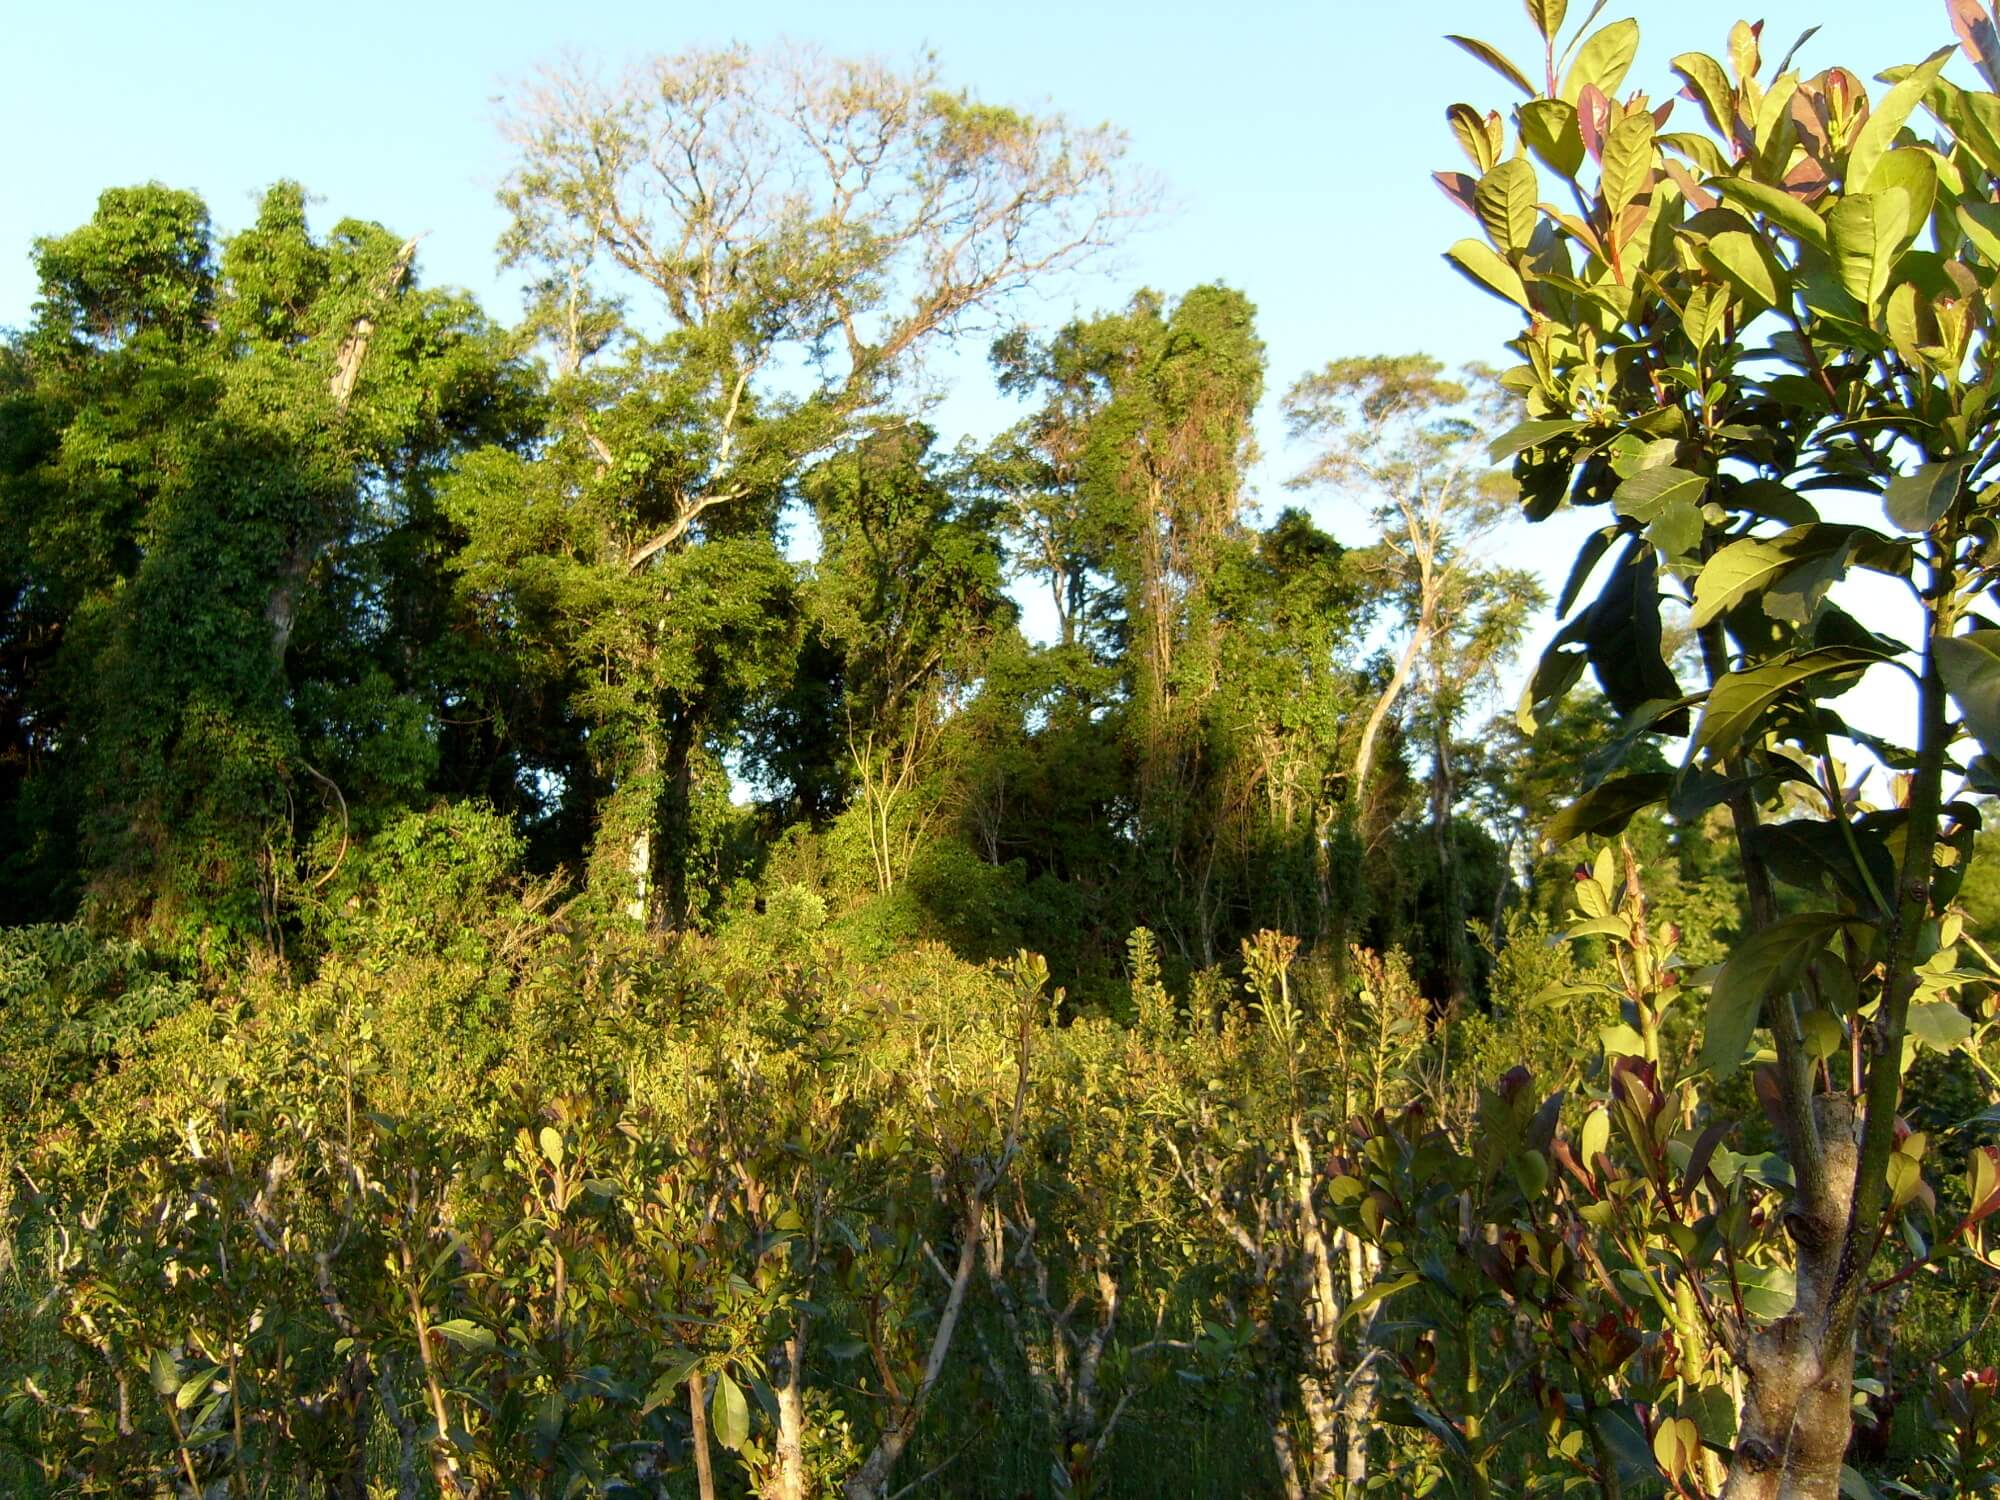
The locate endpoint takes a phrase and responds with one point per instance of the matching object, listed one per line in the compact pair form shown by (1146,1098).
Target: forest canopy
(518,979)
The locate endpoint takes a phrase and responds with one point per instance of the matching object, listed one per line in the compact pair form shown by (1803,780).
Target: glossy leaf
(729,1410)
(1607,808)
(1868,232)
(1878,132)
(1761,964)
(1918,501)
(1970,666)
(1738,703)
(1479,262)
(1602,60)
(1506,199)
(1780,207)
(1493,59)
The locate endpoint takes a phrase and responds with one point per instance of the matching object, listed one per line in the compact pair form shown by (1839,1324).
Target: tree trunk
(1357,1410)
(1451,889)
(704,1471)
(1318,1380)
(1797,1414)
(789,1478)
(1364,754)
(868,1481)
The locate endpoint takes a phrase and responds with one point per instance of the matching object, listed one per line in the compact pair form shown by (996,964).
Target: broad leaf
(730,1411)
(1970,666)
(1868,232)
(1761,964)
(1780,207)
(1629,152)
(1606,809)
(1483,265)
(1750,566)
(1710,88)
(1738,703)
(681,1362)
(1878,132)
(1918,501)
(1939,1024)
(1550,129)
(1505,199)
(1603,60)
(1493,59)
(1621,632)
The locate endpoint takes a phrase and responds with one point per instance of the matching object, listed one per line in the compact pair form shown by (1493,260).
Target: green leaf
(1707,312)
(1911,171)
(1494,60)
(1970,666)
(1621,632)
(1980,222)
(1555,674)
(1768,1291)
(1603,60)
(681,1362)
(1917,502)
(1775,204)
(1664,500)
(552,1146)
(1878,132)
(1745,261)
(1380,1292)
(194,1386)
(467,1334)
(1627,172)
(731,1413)
(1738,703)
(1763,963)
(1506,199)
(1528,435)
(1752,565)
(1547,16)
(1643,495)
(1608,808)
(1711,89)
(1868,232)
(1939,1024)
(166,1375)
(1550,129)
(1484,266)
(1595,1136)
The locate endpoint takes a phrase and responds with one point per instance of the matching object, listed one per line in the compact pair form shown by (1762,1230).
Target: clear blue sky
(1297,139)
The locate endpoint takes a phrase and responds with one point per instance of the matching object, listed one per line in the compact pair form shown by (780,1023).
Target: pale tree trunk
(868,1481)
(789,1479)
(1364,754)
(1443,795)
(282,604)
(1322,1371)
(704,1470)
(1357,1409)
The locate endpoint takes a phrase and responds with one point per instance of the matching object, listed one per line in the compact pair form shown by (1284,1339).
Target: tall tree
(908,584)
(205,456)
(1146,415)
(792,232)
(1407,440)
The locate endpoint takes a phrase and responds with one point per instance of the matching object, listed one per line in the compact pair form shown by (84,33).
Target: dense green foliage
(512,985)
